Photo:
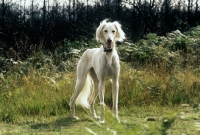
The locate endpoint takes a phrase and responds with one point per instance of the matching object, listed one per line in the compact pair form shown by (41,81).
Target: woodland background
(25,30)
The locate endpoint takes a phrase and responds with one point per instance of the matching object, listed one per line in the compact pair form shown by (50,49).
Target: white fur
(82,98)
(100,64)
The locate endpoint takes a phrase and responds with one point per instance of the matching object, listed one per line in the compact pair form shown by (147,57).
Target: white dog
(96,65)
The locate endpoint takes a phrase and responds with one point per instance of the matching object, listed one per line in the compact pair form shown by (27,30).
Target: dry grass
(39,94)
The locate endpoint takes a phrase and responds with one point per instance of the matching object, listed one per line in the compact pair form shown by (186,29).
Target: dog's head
(108,33)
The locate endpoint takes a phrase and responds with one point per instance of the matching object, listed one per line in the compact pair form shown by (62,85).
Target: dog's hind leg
(95,92)
(78,88)
(81,78)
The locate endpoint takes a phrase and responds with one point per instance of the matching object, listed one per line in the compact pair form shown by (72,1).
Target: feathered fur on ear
(99,34)
(120,34)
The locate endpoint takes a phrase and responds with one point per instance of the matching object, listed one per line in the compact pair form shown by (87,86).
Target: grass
(133,121)
(38,103)
(37,94)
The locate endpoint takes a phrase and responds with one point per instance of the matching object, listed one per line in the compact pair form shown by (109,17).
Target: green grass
(37,94)
(37,103)
(173,120)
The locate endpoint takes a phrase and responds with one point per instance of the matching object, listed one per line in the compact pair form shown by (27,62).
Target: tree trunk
(3,15)
(69,11)
(188,13)
(74,11)
(44,16)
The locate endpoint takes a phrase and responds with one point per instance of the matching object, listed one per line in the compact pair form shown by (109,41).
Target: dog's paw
(97,117)
(75,117)
(118,120)
(101,122)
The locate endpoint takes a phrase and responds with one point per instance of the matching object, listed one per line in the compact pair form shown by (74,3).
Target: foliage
(173,51)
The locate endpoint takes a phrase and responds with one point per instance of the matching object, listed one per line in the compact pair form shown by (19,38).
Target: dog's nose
(109,40)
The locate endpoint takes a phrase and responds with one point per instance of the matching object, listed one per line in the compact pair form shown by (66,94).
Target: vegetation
(156,72)
(26,29)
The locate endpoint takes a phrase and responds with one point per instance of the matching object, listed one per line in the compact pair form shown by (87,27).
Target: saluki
(95,67)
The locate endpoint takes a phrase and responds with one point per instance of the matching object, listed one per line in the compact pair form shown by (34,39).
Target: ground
(134,121)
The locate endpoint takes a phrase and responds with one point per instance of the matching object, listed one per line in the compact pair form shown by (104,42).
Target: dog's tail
(82,98)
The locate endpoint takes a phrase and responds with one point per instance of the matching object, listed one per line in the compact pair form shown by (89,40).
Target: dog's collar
(107,49)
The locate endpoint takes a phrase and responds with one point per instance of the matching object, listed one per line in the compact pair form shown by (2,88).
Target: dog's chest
(111,68)
(106,66)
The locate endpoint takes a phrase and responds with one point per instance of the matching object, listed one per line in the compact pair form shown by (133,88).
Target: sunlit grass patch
(37,94)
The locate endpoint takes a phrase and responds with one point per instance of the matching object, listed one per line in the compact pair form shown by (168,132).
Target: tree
(166,10)
(188,12)
(3,14)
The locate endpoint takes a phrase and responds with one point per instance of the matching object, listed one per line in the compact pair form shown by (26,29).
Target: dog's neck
(107,49)
(109,54)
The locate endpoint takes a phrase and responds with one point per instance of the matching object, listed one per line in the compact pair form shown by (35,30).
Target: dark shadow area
(56,125)
(29,29)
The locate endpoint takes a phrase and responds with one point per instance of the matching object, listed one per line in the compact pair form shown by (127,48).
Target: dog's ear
(99,32)
(120,34)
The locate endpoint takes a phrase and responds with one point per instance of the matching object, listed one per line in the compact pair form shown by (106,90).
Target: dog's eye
(113,31)
(105,31)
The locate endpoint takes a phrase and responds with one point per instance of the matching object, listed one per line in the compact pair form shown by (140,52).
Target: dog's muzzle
(108,47)
(109,43)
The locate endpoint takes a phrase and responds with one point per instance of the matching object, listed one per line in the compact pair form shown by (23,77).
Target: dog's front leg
(115,91)
(101,96)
